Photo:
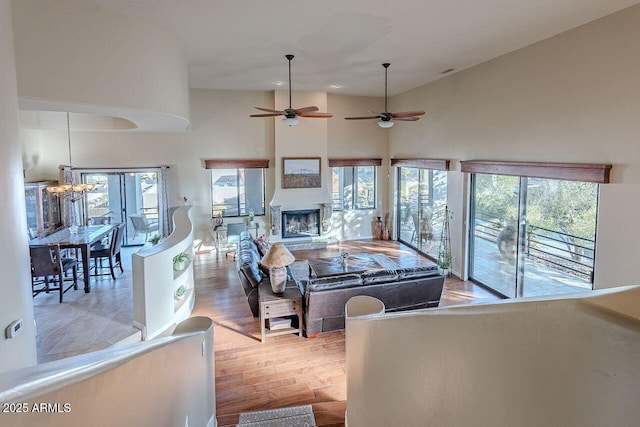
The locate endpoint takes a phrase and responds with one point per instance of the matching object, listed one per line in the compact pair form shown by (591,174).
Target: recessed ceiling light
(279,82)
(335,86)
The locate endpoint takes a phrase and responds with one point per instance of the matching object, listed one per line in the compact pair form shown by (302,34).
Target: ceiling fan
(387,118)
(291,114)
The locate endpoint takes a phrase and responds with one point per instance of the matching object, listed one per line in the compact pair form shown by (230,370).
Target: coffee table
(327,267)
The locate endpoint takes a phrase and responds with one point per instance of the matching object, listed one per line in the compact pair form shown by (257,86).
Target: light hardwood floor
(250,375)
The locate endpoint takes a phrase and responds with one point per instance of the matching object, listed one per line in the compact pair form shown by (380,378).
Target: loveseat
(324,299)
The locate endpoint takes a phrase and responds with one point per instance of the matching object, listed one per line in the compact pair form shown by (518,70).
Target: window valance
(436,164)
(235,163)
(586,172)
(336,163)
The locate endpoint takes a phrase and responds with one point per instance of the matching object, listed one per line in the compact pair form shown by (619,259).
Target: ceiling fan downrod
(289,57)
(386,66)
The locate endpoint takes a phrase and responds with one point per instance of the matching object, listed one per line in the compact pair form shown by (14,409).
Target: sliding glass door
(120,195)
(422,199)
(532,236)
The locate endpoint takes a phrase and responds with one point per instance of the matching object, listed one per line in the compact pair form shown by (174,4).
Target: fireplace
(301,223)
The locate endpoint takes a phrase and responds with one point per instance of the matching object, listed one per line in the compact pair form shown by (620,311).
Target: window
(353,187)
(237,191)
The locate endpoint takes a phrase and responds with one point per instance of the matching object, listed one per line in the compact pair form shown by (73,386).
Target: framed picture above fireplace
(301,172)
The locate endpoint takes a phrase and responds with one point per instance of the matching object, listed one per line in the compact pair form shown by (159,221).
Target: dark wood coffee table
(327,267)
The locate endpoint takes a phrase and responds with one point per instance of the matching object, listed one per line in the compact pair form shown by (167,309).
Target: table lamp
(277,258)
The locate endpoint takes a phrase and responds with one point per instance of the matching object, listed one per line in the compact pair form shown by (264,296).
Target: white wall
(15,282)
(222,129)
(306,139)
(359,139)
(571,98)
(78,54)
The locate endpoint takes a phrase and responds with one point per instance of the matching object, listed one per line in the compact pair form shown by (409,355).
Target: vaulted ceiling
(241,44)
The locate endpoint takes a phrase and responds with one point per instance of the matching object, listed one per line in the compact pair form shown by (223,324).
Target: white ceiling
(240,44)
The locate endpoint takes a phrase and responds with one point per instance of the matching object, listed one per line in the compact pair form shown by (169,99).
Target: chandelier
(70,189)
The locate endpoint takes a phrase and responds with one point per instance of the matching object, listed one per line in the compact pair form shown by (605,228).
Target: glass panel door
(119,195)
(560,236)
(494,236)
(532,236)
(422,199)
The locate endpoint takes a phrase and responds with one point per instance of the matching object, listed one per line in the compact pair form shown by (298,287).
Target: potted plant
(179,293)
(154,239)
(444,261)
(180,261)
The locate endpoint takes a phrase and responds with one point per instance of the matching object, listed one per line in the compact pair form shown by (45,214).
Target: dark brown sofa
(399,288)
(324,299)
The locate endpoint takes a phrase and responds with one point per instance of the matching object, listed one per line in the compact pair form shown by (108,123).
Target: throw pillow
(263,244)
(264,269)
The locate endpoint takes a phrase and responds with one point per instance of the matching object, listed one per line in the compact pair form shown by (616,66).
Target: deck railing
(557,249)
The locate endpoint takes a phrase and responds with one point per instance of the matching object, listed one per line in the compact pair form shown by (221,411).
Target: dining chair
(110,252)
(233,237)
(47,264)
(142,225)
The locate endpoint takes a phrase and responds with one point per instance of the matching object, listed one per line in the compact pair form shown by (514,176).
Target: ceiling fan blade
(362,118)
(317,115)
(304,110)
(407,114)
(406,119)
(267,115)
(269,110)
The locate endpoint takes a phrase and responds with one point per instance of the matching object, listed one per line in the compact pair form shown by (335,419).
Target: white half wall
(15,285)
(572,98)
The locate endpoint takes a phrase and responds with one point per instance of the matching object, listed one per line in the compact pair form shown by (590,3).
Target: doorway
(119,195)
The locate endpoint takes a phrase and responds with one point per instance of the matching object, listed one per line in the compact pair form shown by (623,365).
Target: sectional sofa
(399,288)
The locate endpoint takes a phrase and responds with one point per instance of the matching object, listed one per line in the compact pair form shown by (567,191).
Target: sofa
(324,299)
(248,266)
(399,288)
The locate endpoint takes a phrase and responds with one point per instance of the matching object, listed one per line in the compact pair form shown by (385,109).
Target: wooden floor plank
(287,370)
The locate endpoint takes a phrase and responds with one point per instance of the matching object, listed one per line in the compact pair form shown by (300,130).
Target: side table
(289,303)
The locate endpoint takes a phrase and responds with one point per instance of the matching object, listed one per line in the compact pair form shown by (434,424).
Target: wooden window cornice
(436,164)
(336,163)
(235,163)
(585,172)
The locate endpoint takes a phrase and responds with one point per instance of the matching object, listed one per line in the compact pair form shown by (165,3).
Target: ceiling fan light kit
(291,114)
(290,121)
(386,119)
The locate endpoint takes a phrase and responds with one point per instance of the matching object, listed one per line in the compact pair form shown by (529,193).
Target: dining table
(80,239)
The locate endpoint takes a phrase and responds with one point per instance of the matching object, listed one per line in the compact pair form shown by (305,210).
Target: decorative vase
(179,266)
(345,259)
(385,233)
(379,228)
